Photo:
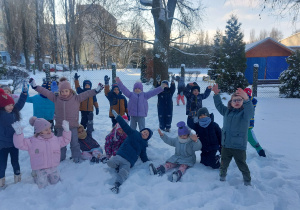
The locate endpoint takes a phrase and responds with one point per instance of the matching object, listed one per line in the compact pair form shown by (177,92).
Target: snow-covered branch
(146,3)
(183,23)
(186,53)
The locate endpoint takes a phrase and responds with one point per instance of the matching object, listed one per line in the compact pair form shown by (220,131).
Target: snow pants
(74,145)
(14,159)
(210,159)
(180,97)
(47,175)
(122,166)
(137,120)
(96,152)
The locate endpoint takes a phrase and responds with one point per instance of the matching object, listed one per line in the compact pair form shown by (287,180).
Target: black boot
(176,176)
(115,189)
(152,169)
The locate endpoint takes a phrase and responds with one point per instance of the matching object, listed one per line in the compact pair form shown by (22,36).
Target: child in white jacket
(43,148)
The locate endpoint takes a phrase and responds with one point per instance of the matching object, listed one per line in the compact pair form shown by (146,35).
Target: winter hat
(202,111)
(39,124)
(248,91)
(83,134)
(195,86)
(64,84)
(115,85)
(5,99)
(87,82)
(150,133)
(118,125)
(138,85)
(182,129)
(166,82)
(6,87)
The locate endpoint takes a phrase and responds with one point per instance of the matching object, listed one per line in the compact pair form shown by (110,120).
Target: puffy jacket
(88,104)
(113,141)
(165,101)
(116,102)
(44,153)
(181,85)
(89,142)
(6,119)
(138,103)
(66,109)
(42,107)
(235,123)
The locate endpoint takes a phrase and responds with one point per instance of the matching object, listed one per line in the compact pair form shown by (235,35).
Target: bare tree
(276,34)
(252,36)
(263,34)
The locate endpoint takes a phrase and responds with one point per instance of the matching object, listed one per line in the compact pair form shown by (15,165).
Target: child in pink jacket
(43,148)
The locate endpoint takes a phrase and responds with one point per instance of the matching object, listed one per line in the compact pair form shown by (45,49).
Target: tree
(276,34)
(214,62)
(3,68)
(233,59)
(289,79)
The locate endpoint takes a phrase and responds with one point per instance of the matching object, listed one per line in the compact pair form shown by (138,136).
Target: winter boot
(176,176)
(95,160)
(247,183)
(115,189)
(222,178)
(152,169)
(160,170)
(17,178)
(168,130)
(2,183)
(34,175)
(104,159)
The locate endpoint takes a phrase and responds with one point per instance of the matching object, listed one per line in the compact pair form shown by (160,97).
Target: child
(236,119)
(114,139)
(90,148)
(86,106)
(210,136)
(43,148)
(251,137)
(138,102)
(134,146)
(180,89)
(185,146)
(117,101)
(165,105)
(67,108)
(9,113)
(8,91)
(42,106)
(194,101)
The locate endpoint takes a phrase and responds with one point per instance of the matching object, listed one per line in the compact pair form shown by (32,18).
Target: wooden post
(255,78)
(113,72)
(182,70)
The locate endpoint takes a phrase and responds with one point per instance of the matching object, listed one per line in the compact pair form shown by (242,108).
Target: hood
(87,82)
(150,133)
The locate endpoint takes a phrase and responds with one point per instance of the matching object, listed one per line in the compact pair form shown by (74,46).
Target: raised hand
(32,83)
(99,88)
(173,78)
(241,93)
(194,137)
(106,80)
(17,127)
(65,125)
(216,89)
(25,87)
(76,76)
(159,132)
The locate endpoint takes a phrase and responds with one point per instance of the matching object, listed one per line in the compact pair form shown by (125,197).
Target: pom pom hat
(182,129)
(248,91)
(138,85)
(39,124)
(64,84)
(5,99)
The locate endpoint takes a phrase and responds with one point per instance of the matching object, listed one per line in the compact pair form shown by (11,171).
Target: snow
(275,179)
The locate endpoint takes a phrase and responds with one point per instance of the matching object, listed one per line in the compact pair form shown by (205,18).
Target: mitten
(106,79)
(54,88)
(25,87)
(65,125)
(262,153)
(97,111)
(17,127)
(114,113)
(104,160)
(158,79)
(32,83)
(99,88)
(76,76)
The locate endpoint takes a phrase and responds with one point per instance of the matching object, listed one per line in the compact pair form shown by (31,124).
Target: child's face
(87,86)
(137,90)
(8,108)
(145,134)
(116,90)
(202,116)
(195,92)
(236,102)
(80,130)
(7,92)
(46,131)
(184,136)
(65,93)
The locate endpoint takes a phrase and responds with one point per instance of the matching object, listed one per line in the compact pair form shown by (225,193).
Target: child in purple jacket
(138,102)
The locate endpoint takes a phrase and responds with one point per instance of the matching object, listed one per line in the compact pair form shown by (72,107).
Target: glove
(54,87)
(158,79)
(65,125)
(262,153)
(76,76)
(106,79)
(104,160)
(97,111)
(17,127)
(25,87)
(173,78)
(32,83)
(99,88)
(114,113)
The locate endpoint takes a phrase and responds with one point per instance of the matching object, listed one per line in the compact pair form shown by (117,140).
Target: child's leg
(41,178)
(84,118)
(253,141)
(133,122)
(183,168)
(177,99)
(124,167)
(85,155)
(182,99)
(210,159)
(168,121)
(113,162)
(240,159)
(14,156)
(169,165)
(141,122)
(226,156)
(63,150)
(3,161)
(161,120)
(53,175)
(74,145)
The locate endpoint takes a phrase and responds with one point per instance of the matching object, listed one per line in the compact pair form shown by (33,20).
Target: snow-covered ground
(275,179)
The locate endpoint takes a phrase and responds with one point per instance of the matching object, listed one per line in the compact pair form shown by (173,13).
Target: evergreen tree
(233,59)
(289,79)
(3,69)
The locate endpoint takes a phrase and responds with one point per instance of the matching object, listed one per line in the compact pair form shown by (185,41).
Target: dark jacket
(6,119)
(88,143)
(210,136)
(116,102)
(86,105)
(165,101)
(194,102)
(181,86)
(134,145)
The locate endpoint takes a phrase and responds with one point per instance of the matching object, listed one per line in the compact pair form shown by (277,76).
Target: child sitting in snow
(114,139)
(185,146)
(134,146)
(43,148)
(90,148)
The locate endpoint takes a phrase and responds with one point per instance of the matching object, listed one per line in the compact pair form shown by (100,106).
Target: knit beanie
(150,133)
(85,82)
(5,99)
(248,91)
(182,129)
(64,84)
(138,85)
(39,124)
(202,111)
(166,82)
(115,85)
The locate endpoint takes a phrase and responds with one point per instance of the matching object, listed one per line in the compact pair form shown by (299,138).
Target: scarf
(204,122)
(183,141)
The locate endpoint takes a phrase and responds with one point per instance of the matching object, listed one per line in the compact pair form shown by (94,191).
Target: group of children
(124,144)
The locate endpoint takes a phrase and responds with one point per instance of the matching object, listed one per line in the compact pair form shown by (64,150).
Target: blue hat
(150,133)
(166,82)
(87,82)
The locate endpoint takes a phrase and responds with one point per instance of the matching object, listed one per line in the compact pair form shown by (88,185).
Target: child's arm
(20,142)
(65,139)
(77,86)
(207,92)
(187,91)
(106,91)
(172,88)
(166,139)
(29,99)
(217,100)
(126,128)
(196,144)
(248,106)
(50,95)
(122,87)
(154,92)
(143,155)
(21,102)
(86,94)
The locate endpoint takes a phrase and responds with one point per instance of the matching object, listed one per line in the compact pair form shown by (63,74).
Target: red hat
(248,91)
(5,99)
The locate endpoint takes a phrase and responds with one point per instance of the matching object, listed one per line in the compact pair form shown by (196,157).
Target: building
(292,41)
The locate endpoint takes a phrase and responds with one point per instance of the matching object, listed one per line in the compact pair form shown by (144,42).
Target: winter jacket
(184,152)
(165,101)
(235,123)
(254,102)
(113,141)
(42,107)
(66,109)
(181,86)
(6,119)
(116,102)
(44,153)
(134,145)
(194,102)
(210,136)
(86,105)
(138,103)
(89,142)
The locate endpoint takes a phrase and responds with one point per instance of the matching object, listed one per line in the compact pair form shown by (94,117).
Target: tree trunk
(54,31)
(68,35)
(38,38)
